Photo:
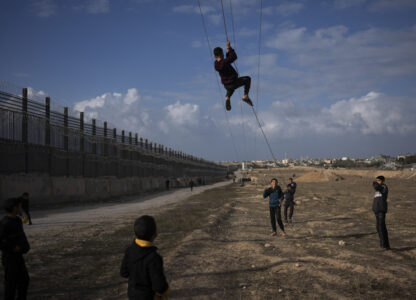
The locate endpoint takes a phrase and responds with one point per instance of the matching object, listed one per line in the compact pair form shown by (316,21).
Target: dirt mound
(315,176)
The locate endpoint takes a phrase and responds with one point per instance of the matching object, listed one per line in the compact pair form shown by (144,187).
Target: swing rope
(258,69)
(216,77)
(236,67)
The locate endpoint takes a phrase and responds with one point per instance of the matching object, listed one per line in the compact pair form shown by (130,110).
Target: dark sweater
(143,266)
(12,236)
(227,73)
(293,185)
(289,197)
(380,198)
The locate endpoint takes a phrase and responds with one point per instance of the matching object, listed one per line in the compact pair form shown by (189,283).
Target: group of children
(277,198)
(142,264)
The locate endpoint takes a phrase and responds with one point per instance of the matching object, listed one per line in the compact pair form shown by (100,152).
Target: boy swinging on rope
(229,76)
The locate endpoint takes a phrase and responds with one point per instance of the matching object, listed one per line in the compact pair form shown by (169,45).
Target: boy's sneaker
(227,103)
(248,101)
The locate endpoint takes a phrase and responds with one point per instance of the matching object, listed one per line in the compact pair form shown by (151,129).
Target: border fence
(35,138)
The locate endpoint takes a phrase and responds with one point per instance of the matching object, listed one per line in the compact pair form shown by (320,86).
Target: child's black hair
(289,185)
(381,178)
(11,203)
(274,179)
(290,178)
(218,52)
(145,228)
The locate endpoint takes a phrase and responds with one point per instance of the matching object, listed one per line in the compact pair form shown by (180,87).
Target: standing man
(275,200)
(380,210)
(289,203)
(191,184)
(13,244)
(25,206)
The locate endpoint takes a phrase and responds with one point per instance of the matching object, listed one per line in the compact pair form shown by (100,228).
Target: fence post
(136,139)
(146,145)
(24,127)
(48,132)
(115,142)
(66,145)
(94,133)
(82,141)
(105,140)
(141,143)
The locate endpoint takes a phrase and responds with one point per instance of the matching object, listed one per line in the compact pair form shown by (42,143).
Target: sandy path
(84,215)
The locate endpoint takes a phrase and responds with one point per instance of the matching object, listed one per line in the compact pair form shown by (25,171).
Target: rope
(216,77)
(265,138)
(223,18)
(258,64)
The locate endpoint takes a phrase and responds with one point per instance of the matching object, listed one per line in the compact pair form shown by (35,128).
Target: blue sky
(337,77)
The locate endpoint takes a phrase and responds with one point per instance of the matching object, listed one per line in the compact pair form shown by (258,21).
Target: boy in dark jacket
(142,265)
(380,210)
(293,185)
(275,200)
(289,202)
(229,76)
(13,244)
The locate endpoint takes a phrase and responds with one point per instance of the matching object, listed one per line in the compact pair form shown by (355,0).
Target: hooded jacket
(289,196)
(227,73)
(143,266)
(380,198)
(274,194)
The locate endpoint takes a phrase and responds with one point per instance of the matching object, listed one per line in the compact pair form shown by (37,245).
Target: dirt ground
(216,244)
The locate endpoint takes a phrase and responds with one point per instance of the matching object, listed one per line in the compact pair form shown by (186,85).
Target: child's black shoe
(227,103)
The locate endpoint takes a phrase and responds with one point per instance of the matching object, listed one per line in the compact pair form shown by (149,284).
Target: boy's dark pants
(16,278)
(287,205)
(382,229)
(275,213)
(240,81)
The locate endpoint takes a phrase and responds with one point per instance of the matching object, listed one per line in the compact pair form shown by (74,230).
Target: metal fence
(36,138)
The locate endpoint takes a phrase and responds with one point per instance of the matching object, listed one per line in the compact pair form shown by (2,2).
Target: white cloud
(45,8)
(334,62)
(284,9)
(388,5)
(371,114)
(193,9)
(98,6)
(124,110)
(183,114)
(342,4)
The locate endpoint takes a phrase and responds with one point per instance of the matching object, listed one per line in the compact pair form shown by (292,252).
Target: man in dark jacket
(289,203)
(293,185)
(229,76)
(13,244)
(380,210)
(142,265)
(275,200)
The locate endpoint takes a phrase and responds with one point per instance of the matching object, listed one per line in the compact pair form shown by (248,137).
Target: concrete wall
(46,190)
